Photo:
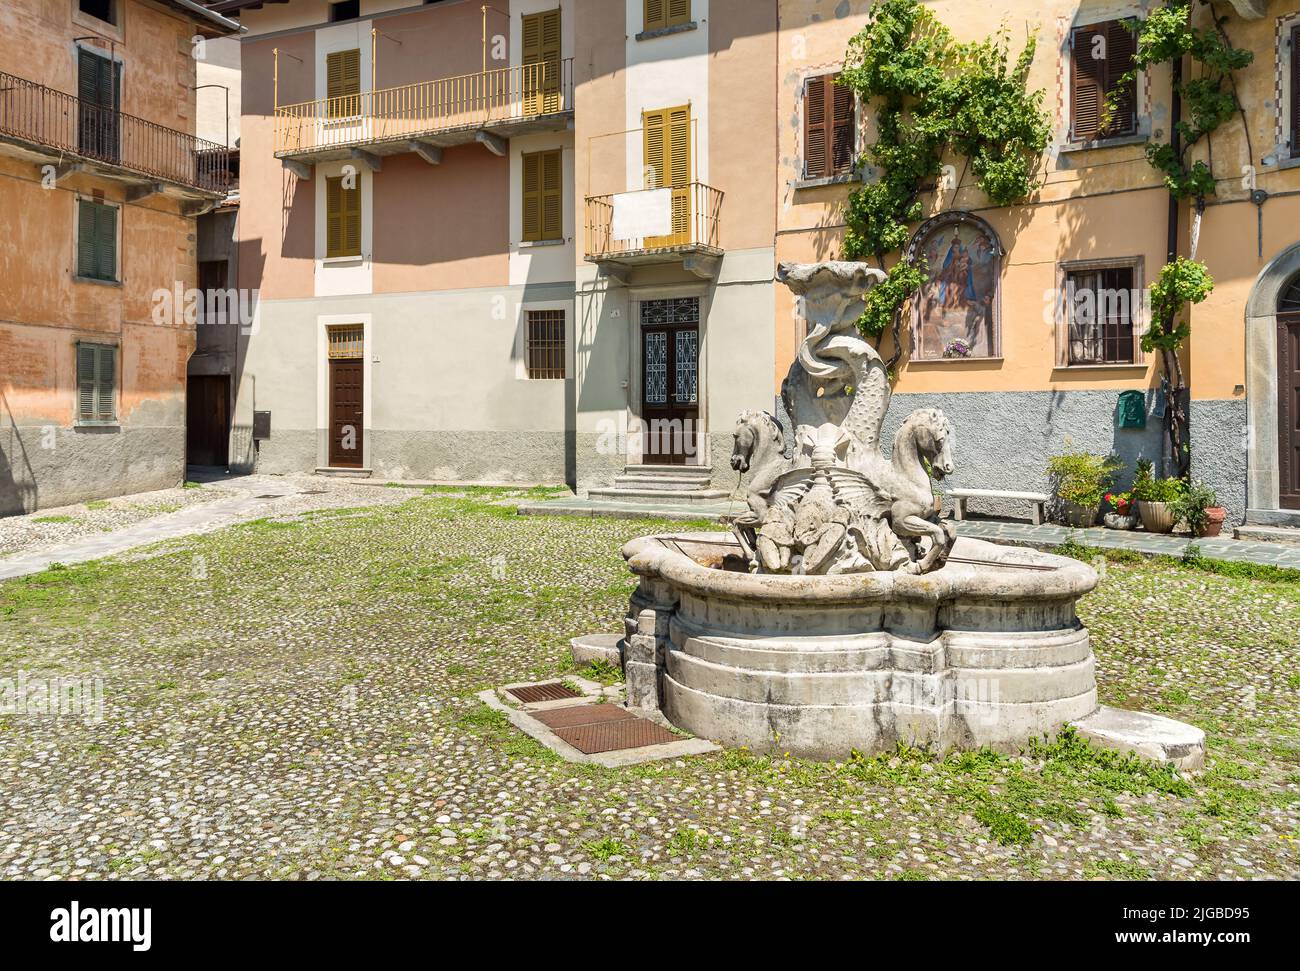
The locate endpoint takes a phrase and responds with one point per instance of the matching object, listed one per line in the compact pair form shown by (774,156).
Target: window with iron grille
(546,352)
(1100,311)
(96,382)
(96,241)
(1103,99)
(347,342)
(829,126)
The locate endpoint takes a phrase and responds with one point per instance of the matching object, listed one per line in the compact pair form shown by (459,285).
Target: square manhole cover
(558,718)
(544,692)
(614,736)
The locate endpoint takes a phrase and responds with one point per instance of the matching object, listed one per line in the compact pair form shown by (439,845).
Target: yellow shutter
(342,219)
(553,195)
(668,165)
(679,12)
(541,80)
(343,83)
(666,13)
(532,197)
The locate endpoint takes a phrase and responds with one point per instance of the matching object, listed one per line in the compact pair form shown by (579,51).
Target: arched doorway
(1288,381)
(1273,386)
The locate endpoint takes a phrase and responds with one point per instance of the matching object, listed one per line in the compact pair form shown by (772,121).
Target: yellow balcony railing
(426,108)
(696,225)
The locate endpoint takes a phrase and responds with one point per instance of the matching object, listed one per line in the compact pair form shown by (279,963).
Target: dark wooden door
(670,403)
(207,420)
(347,417)
(1288,412)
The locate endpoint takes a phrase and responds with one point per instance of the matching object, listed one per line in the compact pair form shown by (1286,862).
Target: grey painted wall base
(1219,451)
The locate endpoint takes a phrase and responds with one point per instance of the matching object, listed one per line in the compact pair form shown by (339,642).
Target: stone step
(669,471)
(346,473)
(663,483)
(1273,517)
(666,497)
(1269,534)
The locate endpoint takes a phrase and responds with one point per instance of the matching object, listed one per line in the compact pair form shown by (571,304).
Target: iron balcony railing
(696,223)
(426,108)
(43,116)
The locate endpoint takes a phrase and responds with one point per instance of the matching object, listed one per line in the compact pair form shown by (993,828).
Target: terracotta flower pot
(1214,517)
(1156,517)
(1080,517)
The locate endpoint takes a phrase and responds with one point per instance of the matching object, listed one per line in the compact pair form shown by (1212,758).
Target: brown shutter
(552,195)
(656,14)
(1295,92)
(843,127)
(1121,44)
(1087,84)
(816,158)
(532,197)
(343,83)
(679,12)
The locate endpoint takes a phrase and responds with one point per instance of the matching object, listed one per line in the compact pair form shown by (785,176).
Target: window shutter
(333,217)
(679,131)
(1295,92)
(843,127)
(352,221)
(86,238)
(343,81)
(1121,45)
(656,14)
(679,12)
(105,242)
(816,161)
(532,197)
(552,195)
(88,77)
(1086,85)
(656,150)
(85,382)
(104,382)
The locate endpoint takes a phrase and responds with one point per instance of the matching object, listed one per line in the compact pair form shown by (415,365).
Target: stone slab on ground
(597,647)
(1151,736)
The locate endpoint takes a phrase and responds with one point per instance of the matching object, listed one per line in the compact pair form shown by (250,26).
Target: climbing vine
(933,96)
(1209,97)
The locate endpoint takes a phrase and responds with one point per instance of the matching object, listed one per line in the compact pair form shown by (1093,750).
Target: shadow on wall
(18,489)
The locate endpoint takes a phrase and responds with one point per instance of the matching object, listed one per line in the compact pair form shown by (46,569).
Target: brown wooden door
(1288,412)
(207,420)
(670,356)
(347,417)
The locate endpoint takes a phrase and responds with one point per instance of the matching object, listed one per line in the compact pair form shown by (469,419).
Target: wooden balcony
(428,116)
(695,239)
(45,125)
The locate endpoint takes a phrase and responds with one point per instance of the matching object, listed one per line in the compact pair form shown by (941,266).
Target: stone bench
(961,496)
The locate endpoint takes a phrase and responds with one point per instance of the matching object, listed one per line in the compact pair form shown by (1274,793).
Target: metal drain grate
(582,715)
(614,736)
(544,692)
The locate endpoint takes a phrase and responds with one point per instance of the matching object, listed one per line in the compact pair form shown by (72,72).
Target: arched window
(957,313)
(1289,301)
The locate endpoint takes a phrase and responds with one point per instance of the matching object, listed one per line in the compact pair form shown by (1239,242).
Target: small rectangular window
(343,83)
(1103,96)
(1099,309)
(546,345)
(342,219)
(345,10)
(830,128)
(99,9)
(96,382)
(543,195)
(666,13)
(96,241)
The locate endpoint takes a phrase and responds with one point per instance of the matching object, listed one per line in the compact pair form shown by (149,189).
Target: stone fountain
(840,613)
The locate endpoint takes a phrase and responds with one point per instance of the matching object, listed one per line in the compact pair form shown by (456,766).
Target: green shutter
(85,382)
(87,261)
(96,382)
(96,241)
(105,372)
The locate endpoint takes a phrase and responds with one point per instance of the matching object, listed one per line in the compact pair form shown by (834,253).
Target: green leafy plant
(1082,478)
(1192,504)
(1148,488)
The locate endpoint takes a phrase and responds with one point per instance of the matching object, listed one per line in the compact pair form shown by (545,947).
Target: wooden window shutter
(105,242)
(343,83)
(342,219)
(655,125)
(816,159)
(1087,84)
(85,382)
(87,260)
(96,382)
(843,127)
(1121,46)
(552,195)
(1295,92)
(679,131)
(542,42)
(105,368)
(679,12)
(532,196)
(656,14)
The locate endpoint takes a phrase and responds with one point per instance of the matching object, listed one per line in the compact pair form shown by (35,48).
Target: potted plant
(1155,498)
(1079,480)
(957,347)
(1197,506)
(1122,514)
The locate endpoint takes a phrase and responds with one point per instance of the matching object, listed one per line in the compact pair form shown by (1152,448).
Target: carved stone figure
(837,505)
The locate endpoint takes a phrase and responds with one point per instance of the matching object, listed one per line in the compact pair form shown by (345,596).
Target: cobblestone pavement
(294,697)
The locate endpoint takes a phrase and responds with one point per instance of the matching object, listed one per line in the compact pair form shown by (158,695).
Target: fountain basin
(985,651)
